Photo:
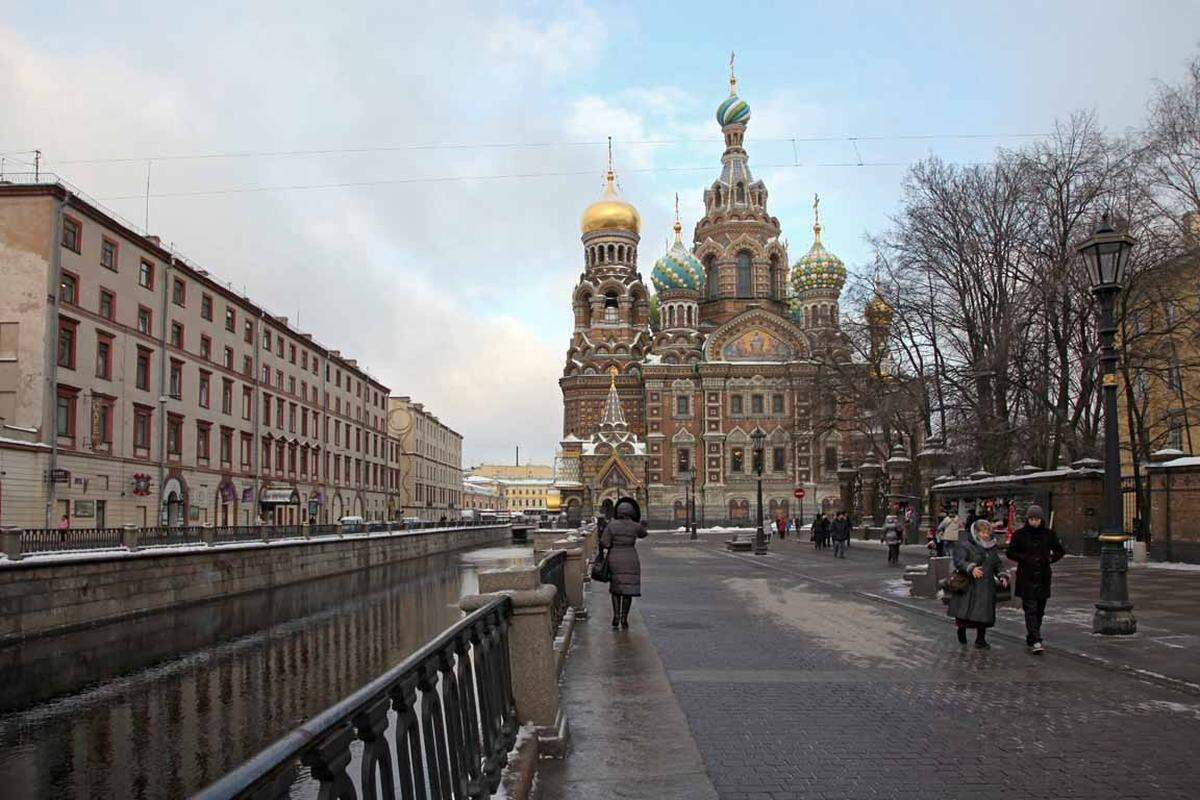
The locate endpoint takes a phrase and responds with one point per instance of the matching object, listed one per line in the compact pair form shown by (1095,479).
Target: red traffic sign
(799,493)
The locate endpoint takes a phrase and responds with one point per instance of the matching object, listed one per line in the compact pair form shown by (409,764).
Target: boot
(626,602)
(962,634)
(981,639)
(616,605)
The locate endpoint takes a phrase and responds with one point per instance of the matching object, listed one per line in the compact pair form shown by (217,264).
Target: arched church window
(610,305)
(710,276)
(612,251)
(741,193)
(744,274)
(621,253)
(689,317)
(775,295)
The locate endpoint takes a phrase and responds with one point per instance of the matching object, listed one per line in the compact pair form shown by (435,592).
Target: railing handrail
(275,760)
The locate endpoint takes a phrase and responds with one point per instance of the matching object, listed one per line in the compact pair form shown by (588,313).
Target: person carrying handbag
(977,559)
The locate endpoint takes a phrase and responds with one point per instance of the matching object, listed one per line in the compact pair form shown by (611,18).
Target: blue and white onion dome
(678,269)
(733,110)
(818,268)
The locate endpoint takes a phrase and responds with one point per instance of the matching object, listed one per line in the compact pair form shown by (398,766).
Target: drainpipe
(162,390)
(50,413)
(256,412)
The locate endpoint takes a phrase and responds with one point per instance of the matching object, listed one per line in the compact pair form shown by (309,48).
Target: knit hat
(1034,511)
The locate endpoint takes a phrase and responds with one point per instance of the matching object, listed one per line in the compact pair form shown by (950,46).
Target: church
(662,406)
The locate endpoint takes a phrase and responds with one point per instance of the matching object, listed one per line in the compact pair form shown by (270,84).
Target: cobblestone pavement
(794,687)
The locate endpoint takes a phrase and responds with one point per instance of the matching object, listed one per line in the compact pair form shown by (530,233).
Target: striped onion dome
(678,269)
(733,111)
(818,268)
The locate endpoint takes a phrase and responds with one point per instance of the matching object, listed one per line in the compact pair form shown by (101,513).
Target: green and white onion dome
(678,269)
(818,268)
(733,111)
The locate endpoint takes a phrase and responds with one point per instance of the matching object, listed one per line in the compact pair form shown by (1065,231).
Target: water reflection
(162,705)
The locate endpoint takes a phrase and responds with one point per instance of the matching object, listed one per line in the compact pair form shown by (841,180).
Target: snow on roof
(1175,463)
(1014,478)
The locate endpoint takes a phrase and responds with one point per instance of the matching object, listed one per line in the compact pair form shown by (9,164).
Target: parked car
(352,524)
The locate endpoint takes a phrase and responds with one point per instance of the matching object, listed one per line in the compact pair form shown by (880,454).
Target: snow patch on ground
(1174,566)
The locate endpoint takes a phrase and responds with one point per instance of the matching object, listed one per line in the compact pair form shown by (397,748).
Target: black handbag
(958,582)
(601,571)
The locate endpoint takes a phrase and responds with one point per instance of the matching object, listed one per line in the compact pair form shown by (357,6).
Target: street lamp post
(760,539)
(1106,254)
(688,480)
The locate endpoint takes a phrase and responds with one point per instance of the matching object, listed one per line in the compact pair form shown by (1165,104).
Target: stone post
(932,459)
(209,536)
(846,475)
(573,572)
(265,530)
(897,471)
(129,538)
(10,543)
(531,650)
(870,472)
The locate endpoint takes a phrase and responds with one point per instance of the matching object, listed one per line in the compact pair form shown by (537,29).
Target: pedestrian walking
(1034,547)
(977,558)
(619,540)
(781,528)
(839,531)
(948,531)
(893,535)
(820,528)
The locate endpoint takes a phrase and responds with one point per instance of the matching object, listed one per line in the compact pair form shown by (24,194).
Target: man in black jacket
(1034,547)
(839,531)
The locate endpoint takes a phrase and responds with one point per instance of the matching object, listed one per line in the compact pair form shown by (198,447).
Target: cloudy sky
(434,233)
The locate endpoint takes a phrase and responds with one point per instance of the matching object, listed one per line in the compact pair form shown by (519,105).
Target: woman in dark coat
(977,558)
(619,540)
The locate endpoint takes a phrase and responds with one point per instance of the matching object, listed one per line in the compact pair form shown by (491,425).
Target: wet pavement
(803,677)
(159,706)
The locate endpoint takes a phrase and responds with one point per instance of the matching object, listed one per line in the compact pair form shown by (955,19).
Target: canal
(160,706)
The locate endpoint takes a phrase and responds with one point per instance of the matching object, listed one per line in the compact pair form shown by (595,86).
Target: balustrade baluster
(375,768)
(328,761)
(408,741)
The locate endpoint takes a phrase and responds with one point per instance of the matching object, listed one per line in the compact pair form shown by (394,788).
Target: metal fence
(550,570)
(450,706)
(62,540)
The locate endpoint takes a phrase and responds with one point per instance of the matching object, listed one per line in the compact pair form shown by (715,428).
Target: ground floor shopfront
(97,492)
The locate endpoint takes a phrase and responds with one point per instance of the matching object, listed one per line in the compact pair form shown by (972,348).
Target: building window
(104,357)
(102,429)
(72,234)
(744,275)
(247,402)
(279,412)
(226,396)
(178,292)
(779,459)
(205,388)
(756,404)
(142,373)
(176,379)
(266,375)
(735,405)
(68,289)
(141,428)
(174,435)
(145,319)
(266,340)
(230,319)
(684,460)
(248,335)
(292,417)
(228,358)
(737,460)
(279,346)
(202,443)
(266,456)
(107,304)
(177,335)
(206,307)
(682,405)
(226,446)
(292,353)
(830,460)
(146,275)
(776,404)
(247,443)
(291,385)
(64,416)
(205,348)
(108,254)
(66,343)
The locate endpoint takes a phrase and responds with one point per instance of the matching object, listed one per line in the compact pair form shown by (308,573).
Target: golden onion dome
(610,212)
(878,312)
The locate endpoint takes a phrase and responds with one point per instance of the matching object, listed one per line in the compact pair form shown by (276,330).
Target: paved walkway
(799,676)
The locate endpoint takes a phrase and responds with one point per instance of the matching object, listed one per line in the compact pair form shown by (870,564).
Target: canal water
(160,706)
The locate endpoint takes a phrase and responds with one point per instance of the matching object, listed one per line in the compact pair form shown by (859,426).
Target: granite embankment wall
(50,595)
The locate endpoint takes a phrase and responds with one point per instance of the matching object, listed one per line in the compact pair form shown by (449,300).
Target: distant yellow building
(527,494)
(513,471)
(1161,350)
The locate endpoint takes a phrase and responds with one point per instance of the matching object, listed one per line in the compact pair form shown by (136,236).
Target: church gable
(756,336)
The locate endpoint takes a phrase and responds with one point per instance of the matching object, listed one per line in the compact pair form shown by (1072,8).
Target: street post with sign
(799,495)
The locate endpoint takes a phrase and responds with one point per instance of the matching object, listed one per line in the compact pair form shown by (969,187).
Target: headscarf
(976,527)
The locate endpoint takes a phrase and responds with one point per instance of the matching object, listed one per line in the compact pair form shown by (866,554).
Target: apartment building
(135,388)
(430,464)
